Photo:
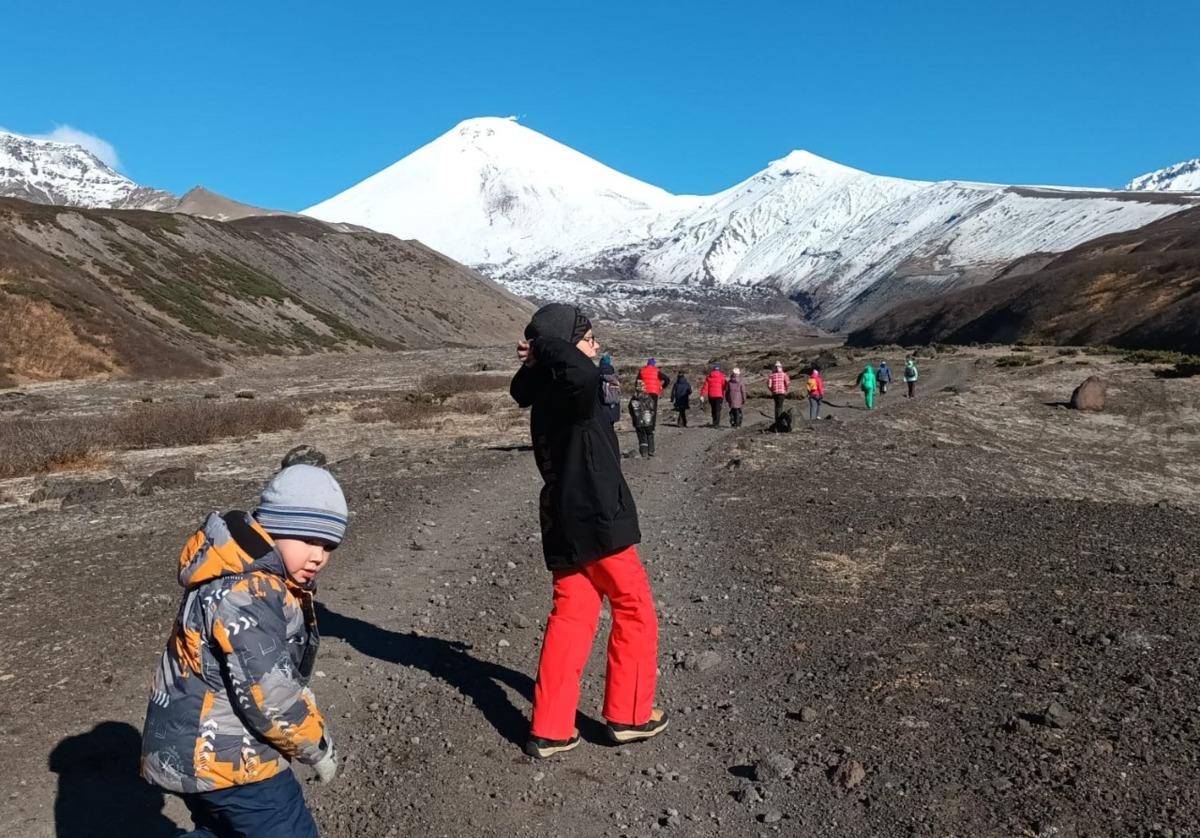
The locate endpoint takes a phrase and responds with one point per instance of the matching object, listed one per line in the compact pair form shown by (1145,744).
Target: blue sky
(286,104)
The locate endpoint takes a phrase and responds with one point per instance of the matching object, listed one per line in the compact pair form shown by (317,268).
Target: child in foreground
(231,709)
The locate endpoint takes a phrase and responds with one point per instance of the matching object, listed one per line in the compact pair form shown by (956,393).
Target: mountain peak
(805,161)
(1182,177)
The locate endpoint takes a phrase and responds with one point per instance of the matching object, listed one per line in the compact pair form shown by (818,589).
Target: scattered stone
(848,774)
(521,621)
(808,714)
(1057,716)
(55,488)
(773,767)
(167,479)
(302,455)
(774,816)
(244,394)
(707,661)
(1090,395)
(747,794)
(94,492)
(503,644)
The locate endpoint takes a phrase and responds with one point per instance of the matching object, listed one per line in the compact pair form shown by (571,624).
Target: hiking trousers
(645,438)
(735,417)
(780,398)
(869,398)
(271,808)
(682,421)
(632,673)
(715,406)
(814,407)
(912,388)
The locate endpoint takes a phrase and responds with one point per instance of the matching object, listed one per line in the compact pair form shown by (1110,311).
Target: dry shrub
(198,422)
(39,343)
(474,404)
(463,382)
(405,412)
(35,446)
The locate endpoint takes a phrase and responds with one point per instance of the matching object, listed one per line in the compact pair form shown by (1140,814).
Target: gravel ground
(968,614)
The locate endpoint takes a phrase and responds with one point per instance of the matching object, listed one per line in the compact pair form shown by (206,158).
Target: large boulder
(94,493)
(1089,395)
(167,479)
(303,455)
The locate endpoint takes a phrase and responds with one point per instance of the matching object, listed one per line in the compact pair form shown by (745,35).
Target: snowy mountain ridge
(1182,177)
(536,214)
(49,172)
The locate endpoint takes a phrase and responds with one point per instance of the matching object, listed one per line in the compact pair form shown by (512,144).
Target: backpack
(812,386)
(610,391)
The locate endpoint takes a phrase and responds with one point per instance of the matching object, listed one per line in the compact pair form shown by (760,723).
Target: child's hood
(227,545)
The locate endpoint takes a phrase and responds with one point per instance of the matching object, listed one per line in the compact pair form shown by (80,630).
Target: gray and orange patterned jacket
(229,705)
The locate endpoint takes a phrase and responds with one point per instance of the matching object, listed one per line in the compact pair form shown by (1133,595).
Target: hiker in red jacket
(714,390)
(778,383)
(654,379)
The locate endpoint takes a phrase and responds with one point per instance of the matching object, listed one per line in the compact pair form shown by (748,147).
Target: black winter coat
(587,510)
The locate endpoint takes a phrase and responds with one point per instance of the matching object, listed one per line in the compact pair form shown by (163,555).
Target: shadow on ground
(100,791)
(449,661)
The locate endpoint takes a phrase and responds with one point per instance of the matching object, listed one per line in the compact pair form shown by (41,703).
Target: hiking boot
(540,748)
(636,733)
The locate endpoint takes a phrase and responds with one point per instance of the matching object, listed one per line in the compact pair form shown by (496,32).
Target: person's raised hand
(525,353)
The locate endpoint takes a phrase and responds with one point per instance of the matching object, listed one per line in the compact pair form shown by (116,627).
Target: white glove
(326,767)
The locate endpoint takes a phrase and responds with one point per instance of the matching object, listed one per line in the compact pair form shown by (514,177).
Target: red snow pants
(632,645)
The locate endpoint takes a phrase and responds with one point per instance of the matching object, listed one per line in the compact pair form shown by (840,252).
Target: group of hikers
(231,706)
(718,391)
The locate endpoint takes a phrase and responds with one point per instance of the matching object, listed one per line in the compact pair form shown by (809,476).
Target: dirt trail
(975,598)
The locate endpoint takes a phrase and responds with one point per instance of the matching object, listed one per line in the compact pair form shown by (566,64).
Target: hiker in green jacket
(910,376)
(867,382)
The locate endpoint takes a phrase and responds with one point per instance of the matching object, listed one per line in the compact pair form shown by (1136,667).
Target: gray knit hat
(303,501)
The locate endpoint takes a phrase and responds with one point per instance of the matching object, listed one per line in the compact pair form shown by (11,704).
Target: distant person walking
(713,389)
(610,390)
(735,397)
(866,380)
(778,384)
(884,376)
(681,397)
(641,411)
(816,393)
(910,376)
(654,379)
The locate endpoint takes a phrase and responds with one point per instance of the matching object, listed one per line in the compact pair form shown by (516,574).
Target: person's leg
(643,443)
(683,418)
(718,404)
(820,401)
(271,808)
(204,821)
(869,398)
(911,386)
(778,406)
(650,441)
(632,674)
(565,648)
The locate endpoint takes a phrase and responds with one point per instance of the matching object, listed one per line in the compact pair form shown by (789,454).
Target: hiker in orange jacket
(714,390)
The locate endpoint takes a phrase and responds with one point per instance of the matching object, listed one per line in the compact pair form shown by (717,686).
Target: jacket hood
(227,545)
(606,367)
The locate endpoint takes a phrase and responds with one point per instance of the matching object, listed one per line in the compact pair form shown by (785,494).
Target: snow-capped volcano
(1182,177)
(533,213)
(494,193)
(48,172)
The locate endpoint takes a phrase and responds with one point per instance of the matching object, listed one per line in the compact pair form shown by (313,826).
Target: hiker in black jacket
(589,532)
(681,397)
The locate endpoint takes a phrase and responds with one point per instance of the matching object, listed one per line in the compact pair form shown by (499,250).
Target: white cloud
(67,134)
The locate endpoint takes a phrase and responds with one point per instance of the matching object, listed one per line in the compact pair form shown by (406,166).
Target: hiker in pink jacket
(816,393)
(778,384)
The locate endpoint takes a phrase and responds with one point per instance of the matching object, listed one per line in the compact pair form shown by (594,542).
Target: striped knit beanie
(303,501)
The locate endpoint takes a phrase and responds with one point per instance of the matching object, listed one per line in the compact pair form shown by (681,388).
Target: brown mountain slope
(1138,289)
(108,292)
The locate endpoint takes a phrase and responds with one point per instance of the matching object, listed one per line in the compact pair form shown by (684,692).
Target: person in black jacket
(589,536)
(681,397)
